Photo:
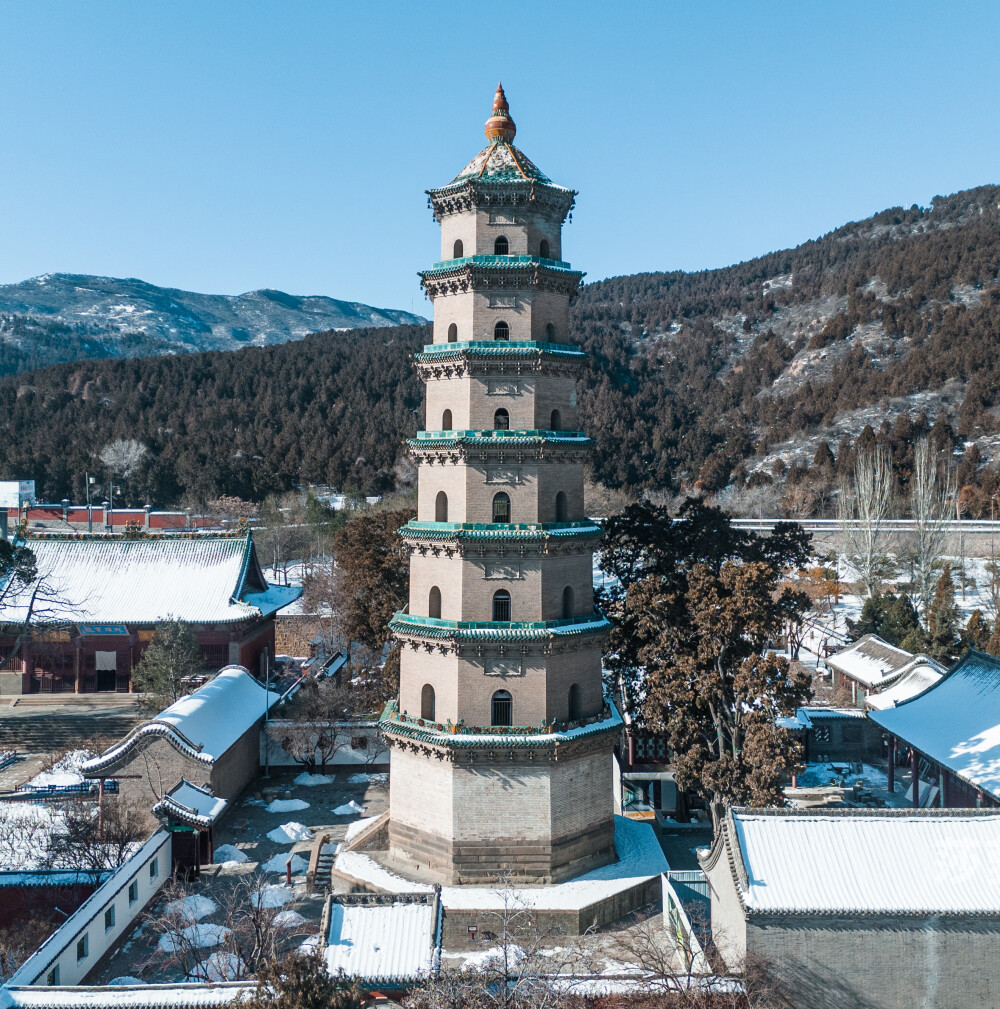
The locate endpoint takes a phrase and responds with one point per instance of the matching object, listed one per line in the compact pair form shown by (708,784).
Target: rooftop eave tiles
(481,630)
(502,439)
(506,531)
(497,348)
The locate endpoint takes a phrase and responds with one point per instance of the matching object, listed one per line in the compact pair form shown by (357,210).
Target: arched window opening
(500,246)
(569,603)
(550,332)
(501,420)
(441,507)
(575,707)
(427,703)
(434,602)
(446,420)
(501,605)
(543,248)
(502,709)
(501,508)
(453,333)
(459,251)
(555,422)
(501,331)
(562,507)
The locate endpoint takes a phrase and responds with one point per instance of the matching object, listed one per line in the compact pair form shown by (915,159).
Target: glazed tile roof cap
(914,678)
(868,861)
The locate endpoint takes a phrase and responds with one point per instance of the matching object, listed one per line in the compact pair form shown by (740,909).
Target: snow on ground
(229,854)
(305,778)
(126,979)
(273,896)
(476,961)
(218,967)
(276,863)
(65,772)
(639,857)
(351,808)
(287,805)
(289,833)
(194,907)
(353,829)
(194,935)
(288,919)
(368,778)
(24,834)
(818,774)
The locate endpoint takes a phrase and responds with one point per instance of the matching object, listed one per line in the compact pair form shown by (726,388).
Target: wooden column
(916,781)
(892,764)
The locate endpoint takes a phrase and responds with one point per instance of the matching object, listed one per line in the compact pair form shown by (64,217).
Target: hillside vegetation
(761,375)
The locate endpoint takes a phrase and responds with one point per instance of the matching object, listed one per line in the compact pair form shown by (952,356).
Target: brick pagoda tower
(501,739)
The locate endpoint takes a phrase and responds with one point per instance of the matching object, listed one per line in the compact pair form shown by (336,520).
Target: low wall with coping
(72,951)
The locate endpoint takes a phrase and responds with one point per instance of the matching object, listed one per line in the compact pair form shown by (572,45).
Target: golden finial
(500,126)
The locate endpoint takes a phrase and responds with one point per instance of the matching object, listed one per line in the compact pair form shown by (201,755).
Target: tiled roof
(501,161)
(914,678)
(956,722)
(866,861)
(520,531)
(202,725)
(496,348)
(511,439)
(497,630)
(190,804)
(383,944)
(871,661)
(147,996)
(113,580)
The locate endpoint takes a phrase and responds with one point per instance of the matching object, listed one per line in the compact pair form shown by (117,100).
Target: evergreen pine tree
(942,619)
(977,633)
(172,656)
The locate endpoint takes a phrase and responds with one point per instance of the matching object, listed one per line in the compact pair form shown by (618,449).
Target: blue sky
(227,146)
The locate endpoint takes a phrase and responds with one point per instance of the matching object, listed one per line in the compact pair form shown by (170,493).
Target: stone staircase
(44,731)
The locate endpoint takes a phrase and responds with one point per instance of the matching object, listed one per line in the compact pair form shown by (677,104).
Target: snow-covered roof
(914,678)
(913,861)
(199,578)
(146,996)
(804,717)
(190,804)
(202,725)
(383,943)
(871,661)
(956,722)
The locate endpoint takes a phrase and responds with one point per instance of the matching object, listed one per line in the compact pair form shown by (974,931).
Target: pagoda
(501,738)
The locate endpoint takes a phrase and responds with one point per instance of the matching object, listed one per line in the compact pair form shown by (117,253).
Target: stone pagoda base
(598,897)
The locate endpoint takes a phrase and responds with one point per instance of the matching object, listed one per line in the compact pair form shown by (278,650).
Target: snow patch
(229,854)
(288,919)
(272,896)
(218,967)
(307,779)
(287,805)
(289,833)
(193,907)
(351,808)
(276,863)
(194,935)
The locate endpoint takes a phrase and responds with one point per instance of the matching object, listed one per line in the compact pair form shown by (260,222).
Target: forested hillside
(758,375)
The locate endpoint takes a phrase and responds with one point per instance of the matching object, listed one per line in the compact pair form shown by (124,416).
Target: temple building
(502,736)
(84,622)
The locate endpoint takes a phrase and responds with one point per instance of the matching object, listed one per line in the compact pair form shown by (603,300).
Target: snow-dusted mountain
(69,316)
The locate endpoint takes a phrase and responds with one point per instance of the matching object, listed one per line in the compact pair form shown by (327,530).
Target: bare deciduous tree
(929,496)
(251,933)
(865,507)
(123,456)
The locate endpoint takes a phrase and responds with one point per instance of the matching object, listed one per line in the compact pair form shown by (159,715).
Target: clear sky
(228,145)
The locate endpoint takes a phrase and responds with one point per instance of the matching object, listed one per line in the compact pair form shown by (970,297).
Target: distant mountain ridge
(62,317)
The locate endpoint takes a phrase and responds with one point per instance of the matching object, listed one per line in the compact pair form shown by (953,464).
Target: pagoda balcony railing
(504,346)
(551,264)
(607,718)
(495,434)
(514,527)
(410,621)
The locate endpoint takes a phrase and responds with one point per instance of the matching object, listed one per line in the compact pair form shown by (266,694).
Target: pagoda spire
(500,126)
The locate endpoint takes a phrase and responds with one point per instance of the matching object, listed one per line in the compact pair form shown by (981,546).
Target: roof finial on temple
(500,126)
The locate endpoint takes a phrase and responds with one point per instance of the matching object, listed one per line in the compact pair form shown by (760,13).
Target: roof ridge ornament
(500,126)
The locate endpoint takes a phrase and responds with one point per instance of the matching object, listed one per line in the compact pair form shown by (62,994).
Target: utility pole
(90,513)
